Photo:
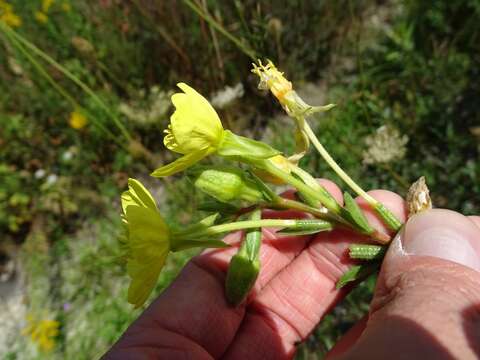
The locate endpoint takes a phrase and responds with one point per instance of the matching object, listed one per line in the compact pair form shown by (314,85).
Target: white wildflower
(227,96)
(40,173)
(148,109)
(385,145)
(51,179)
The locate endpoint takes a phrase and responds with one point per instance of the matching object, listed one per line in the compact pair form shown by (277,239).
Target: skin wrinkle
(322,259)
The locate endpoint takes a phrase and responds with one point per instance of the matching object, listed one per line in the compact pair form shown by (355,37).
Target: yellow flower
(41,17)
(42,332)
(66,6)
(148,241)
(8,16)
(77,120)
(46,4)
(195,130)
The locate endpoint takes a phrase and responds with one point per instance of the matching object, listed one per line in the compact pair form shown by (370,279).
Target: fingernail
(442,234)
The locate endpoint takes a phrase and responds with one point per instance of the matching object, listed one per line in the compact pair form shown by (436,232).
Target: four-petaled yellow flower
(148,241)
(77,120)
(195,130)
(42,332)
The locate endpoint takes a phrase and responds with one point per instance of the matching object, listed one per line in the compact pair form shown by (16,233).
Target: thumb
(427,301)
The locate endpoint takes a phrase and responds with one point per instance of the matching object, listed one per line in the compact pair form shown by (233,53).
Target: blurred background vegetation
(84,97)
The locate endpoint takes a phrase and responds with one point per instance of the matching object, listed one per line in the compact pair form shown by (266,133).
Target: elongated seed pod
(245,265)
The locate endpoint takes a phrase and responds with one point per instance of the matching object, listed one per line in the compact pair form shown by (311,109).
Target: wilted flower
(225,97)
(43,332)
(77,120)
(384,146)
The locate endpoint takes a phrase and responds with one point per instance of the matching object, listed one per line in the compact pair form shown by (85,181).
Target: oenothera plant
(240,191)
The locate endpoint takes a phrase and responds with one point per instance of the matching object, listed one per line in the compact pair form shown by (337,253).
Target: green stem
(386,214)
(69,75)
(288,204)
(250,224)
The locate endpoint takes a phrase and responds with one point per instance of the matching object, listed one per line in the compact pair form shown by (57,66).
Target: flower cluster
(239,191)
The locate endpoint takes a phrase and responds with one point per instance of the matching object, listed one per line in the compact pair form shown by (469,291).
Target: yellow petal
(182,163)
(148,232)
(194,125)
(137,194)
(144,276)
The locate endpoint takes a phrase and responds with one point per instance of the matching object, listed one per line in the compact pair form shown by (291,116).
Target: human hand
(423,306)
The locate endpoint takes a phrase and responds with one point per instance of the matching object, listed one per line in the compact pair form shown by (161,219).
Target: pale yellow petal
(182,163)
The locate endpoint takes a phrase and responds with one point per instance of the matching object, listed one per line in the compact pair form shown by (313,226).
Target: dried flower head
(385,145)
(418,197)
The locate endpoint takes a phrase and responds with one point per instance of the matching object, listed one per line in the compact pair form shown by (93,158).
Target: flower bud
(227,184)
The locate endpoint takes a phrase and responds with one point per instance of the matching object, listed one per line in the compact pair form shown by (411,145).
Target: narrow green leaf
(357,272)
(356,215)
(366,252)
(307,227)
(268,193)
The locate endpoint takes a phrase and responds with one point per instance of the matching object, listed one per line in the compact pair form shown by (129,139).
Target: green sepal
(356,215)
(244,149)
(268,194)
(357,272)
(244,266)
(307,227)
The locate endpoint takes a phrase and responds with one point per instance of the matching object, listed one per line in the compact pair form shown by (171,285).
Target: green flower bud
(227,184)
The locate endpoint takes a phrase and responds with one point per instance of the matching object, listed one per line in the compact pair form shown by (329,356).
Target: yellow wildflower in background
(148,241)
(42,332)
(66,6)
(77,120)
(195,130)
(46,4)
(8,16)
(41,17)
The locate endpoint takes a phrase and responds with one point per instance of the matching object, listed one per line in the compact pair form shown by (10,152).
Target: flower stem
(251,224)
(322,196)
(384,213)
